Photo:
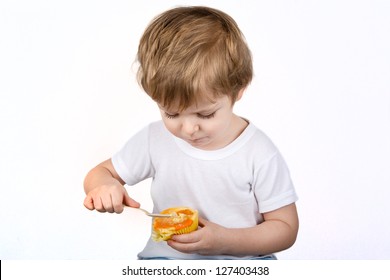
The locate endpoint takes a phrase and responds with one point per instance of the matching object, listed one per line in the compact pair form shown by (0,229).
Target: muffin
(183,220)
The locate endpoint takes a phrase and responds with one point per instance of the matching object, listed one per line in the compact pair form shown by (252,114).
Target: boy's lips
(197,140)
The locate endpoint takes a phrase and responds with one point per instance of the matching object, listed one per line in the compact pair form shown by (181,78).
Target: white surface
(69,100)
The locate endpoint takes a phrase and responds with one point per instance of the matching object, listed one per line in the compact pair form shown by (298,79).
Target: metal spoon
(155,215)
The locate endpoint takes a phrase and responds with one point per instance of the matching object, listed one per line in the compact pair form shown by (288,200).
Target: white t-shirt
(231,186)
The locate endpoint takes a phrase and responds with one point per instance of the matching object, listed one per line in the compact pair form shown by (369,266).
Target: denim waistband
(265,257)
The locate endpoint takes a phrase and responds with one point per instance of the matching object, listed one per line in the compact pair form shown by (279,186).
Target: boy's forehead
(200,105)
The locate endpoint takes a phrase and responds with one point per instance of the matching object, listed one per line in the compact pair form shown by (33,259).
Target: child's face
(208,125)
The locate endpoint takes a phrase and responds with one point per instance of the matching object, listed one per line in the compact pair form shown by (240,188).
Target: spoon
(153,214)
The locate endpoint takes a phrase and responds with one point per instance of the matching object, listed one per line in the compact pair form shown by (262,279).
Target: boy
(195,64)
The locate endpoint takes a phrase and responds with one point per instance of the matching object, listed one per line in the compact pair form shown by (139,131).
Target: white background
(69,99)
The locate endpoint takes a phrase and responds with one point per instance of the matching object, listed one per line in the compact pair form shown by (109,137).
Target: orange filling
(169,222)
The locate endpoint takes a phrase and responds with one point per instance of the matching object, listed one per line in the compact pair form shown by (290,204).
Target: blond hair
(187,54)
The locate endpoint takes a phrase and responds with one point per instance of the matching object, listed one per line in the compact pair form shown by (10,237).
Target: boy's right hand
(109,198)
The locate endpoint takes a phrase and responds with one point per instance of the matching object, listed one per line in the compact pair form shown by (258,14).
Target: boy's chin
(202,143)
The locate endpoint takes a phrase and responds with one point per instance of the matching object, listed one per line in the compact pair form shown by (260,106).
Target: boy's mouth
(197,140)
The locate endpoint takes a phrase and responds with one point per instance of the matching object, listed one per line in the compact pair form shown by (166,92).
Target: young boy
(195,64)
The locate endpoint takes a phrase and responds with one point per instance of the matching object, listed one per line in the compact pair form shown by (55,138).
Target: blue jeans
(266,257)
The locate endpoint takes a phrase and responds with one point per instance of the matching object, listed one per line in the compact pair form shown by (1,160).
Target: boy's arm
(105,190)
(278,232)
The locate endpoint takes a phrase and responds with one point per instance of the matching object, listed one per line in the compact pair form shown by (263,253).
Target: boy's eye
(170,116)
(209,116)
(173,116)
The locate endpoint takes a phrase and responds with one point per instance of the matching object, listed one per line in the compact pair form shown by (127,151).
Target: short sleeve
(132,162)
(273,186)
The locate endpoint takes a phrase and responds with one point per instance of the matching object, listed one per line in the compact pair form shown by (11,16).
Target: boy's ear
(240,93)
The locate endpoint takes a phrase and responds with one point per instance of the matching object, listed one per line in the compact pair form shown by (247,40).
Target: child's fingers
(117,202)
(98,204)
(88,203)
(110,202)
(203,222)
(191,237)
(107,205)
(186,243)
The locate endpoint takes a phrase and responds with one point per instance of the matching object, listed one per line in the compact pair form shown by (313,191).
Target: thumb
(128,201)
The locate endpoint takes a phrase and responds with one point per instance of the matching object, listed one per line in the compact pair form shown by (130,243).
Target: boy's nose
(190,126)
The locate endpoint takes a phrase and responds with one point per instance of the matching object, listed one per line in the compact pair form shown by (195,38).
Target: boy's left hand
(207,240)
